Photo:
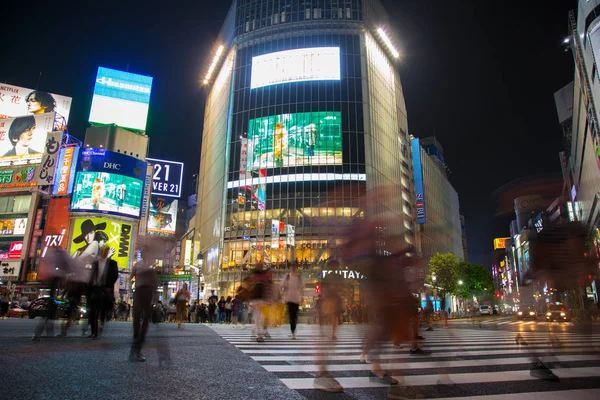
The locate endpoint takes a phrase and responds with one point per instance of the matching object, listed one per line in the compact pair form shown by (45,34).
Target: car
(485,310)
(558,312)
(527,312)
(39,307)
(15,311)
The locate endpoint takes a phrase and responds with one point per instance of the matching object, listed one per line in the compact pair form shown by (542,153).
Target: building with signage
(437,202)
(305,113)
(29,171)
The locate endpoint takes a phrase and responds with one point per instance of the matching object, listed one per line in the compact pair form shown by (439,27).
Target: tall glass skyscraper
(305,115)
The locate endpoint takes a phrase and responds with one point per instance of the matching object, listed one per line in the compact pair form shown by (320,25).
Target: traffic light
(317,288)
(497,295)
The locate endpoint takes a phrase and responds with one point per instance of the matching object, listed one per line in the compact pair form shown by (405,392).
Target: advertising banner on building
(23,139)
(104,236)
(17,101)
(56,229)
(65,170)
(419,189)
(297,65)
(108,182)
(145,211)
(21,176)
(167,177)
(9,270)
(289,140)
(10,226)
(163,216)
(121,98)
(47,168)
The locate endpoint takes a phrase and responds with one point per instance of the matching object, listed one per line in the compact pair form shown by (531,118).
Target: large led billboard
(309,64)
(167,177)
(24,138)
(108,182)
(121,98)
(103,237)
(163,215)
(17,101)
(288,140)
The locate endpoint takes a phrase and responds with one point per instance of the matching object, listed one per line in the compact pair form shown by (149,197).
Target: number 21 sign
(167,177)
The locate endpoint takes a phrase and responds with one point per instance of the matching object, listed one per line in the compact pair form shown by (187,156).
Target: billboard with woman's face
(24,138)
(104,237)
(289,140)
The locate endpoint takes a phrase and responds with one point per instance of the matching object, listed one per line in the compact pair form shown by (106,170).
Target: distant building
(441,227)
(464,238)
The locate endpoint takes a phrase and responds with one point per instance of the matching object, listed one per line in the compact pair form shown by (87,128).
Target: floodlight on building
(213,65)
(388,42)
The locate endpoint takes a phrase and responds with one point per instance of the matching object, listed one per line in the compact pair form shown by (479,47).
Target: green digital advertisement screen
(289,140)
(107,193)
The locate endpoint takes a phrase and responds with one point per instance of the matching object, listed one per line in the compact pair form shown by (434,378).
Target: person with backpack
(293,286)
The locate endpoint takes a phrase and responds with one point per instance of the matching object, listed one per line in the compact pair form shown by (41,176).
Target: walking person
(212,306)
(293,286)
(104,272)
(228,309)
(181,298)
(221,310)
(55,269)
(329,307)
(146,282)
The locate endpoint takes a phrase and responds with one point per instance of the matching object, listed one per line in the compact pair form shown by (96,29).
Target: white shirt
(292,286)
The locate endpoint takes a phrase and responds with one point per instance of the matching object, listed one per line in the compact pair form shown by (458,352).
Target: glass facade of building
(290,143)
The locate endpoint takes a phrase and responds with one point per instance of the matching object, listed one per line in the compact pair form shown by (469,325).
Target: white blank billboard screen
(121,98)
(311,64)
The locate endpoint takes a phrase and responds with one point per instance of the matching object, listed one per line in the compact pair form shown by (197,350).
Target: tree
(446,268)
(475,280)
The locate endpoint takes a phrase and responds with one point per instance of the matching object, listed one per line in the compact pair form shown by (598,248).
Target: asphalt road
(222,362)
(189,363)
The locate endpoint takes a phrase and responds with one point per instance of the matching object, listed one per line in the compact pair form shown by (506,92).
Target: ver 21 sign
(167,177)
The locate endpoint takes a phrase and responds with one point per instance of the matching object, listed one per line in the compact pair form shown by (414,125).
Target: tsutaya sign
(347,274)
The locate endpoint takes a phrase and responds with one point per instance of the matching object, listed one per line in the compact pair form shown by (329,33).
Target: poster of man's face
(18,101)
(24,138)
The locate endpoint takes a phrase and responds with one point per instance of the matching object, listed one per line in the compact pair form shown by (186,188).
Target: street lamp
(460,282)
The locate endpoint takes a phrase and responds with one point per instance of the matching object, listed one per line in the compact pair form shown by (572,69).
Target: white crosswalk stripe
(467,360)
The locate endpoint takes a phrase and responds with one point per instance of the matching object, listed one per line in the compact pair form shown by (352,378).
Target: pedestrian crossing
(463,363)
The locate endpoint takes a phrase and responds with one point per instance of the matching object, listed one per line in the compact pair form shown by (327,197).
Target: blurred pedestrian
(293,288)
(182,297)
(260,293)
(54,269)
(329,310)
(104,274)
(143,275)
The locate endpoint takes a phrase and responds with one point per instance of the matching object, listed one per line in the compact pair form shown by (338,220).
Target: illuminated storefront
(306,112)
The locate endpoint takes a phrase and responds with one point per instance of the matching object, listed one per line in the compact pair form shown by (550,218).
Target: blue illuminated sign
(419,190)
(121,98)
(100,160)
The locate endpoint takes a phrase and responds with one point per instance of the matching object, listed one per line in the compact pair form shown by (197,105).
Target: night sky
(478,75)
